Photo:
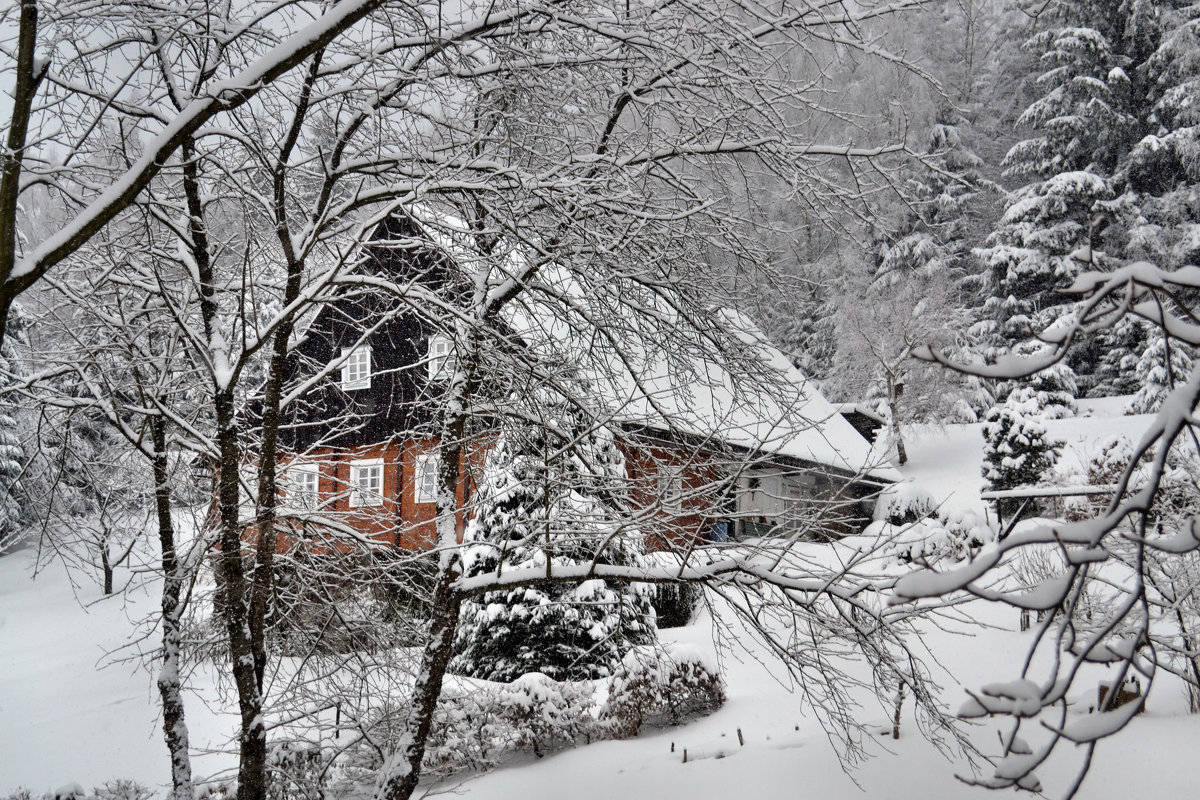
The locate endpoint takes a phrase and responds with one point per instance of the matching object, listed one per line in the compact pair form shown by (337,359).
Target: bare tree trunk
(169,681)
(899,705)
(252,761)
(894,391)
(26,78)
(403,780)
(105,563)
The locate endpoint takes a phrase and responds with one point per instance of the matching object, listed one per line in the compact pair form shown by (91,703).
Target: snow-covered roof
(786,415)
(781,412)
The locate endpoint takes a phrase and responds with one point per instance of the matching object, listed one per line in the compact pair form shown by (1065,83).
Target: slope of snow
(77,701)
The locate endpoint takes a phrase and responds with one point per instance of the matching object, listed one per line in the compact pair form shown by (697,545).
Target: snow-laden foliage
(937,229)
(903,503)
(481,725)
(1054,388)
(550,495)
(1116,371)
(1162,366)
(119,789)
(660,687)
(1083,117)
(1029,255)
(1016,449)
(908,519)
(13,495)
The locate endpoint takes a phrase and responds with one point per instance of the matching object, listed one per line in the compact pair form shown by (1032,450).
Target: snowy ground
(75,708)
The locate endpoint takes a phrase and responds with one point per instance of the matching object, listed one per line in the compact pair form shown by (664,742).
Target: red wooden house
(361,441)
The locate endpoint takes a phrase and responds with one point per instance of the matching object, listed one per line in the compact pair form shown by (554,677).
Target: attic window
(356,369)
(442,360)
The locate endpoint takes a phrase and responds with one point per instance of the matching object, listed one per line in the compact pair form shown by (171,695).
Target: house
(714,461)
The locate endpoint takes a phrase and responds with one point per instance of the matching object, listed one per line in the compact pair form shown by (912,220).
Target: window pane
(366,484)
(356,370)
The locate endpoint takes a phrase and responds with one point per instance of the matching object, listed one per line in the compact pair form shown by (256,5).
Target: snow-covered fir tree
(936,229)
(1114,163)
(1120,348)
(12,452)
(1031,254)
(1054,388)
(550,495)
(1161,367)
(1159,208)
(802,324)
(1016,451)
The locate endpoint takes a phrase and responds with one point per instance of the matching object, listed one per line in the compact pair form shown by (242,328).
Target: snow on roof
(785,414)
(782,413)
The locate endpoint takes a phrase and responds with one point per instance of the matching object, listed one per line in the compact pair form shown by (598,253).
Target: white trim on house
(366,482)
(356,369)
(425,478)
(442,359)
(302,485)
(670,488)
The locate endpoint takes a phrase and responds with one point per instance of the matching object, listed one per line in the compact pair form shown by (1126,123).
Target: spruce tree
(550,495)
(12,453)
(1016,451)
(1159,370)
(935,232)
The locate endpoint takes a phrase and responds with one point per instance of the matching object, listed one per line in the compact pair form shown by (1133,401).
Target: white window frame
(426,490)
(443,361)
(303,486)
(670,488)
(356,367)
(372,495)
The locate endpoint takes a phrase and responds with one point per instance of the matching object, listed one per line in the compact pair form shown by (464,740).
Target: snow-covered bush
(905,503)
(120,789)
(952,536)
(477,727)
(543,714)
(1016,451)
(660,687)
(535,509)
(907,516)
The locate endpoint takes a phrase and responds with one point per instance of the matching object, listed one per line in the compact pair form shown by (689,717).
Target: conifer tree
(1160,368)
(1016,451)
(935,233)
(551,494)
(12,452)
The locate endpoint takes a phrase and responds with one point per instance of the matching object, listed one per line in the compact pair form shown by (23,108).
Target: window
(670,488)
(426,483)
(302,484)
(356,369)
(442,360)
(366,482)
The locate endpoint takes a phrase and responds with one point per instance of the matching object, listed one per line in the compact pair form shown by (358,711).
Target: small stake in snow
(685,755)
(741,740)
(672,747)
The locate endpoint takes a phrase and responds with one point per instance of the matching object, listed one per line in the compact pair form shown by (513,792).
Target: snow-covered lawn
(74,710)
